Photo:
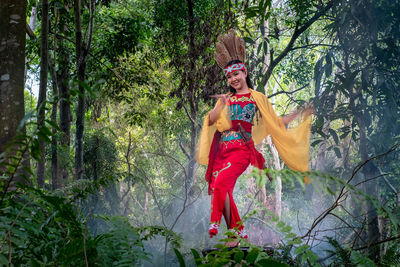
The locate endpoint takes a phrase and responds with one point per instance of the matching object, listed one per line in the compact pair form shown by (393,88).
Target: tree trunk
(32,26)
(320,164)
(12,69)
(146,203)
(346,147)
(80,109)
(370,188)
(277,163)
(191,92)
(57,181)
(278,189)
(55,178)
(12,59)
(82,51)
(63,76)
(44,53)
(192,162)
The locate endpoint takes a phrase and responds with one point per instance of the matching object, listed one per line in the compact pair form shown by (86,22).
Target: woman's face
(237,79)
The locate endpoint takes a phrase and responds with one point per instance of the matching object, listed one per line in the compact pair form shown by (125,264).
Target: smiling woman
(240,119)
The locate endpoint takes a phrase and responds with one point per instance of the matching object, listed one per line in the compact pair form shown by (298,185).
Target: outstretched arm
(288,118)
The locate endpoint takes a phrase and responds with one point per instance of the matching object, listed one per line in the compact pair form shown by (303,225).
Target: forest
(102,104)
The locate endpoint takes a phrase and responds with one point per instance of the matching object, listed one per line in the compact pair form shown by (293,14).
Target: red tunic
(229,157)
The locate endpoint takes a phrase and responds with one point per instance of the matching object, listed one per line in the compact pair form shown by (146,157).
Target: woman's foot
(213,230)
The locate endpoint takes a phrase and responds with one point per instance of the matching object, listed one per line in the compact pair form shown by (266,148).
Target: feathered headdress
(229,47)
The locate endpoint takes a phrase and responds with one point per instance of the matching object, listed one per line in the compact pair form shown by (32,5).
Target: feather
(222,55)
(229,42)
(229,47)
(241,49)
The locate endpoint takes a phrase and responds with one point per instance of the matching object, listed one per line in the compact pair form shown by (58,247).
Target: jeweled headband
(234,67)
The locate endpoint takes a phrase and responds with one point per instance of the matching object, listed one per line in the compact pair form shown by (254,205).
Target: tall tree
(63,76)
(12,68)
(82,51)
(41,105)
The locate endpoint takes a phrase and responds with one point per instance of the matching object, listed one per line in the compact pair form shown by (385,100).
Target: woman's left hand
(309,107)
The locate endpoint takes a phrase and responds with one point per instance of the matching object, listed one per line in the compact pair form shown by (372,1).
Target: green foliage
(100,156)
(41,228)
(142,52)
(127,30)
(149,232)
(347,257)
(180,258)
(224,256)
(121,245)
(392,255)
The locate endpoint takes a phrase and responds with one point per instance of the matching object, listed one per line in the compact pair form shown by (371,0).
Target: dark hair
(248,81)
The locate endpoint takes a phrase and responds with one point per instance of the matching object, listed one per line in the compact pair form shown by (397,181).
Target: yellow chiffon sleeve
(207,134)
(292,144)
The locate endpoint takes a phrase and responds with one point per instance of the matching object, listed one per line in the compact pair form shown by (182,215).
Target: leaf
(330,191)
(265,46)
(252,256)
(25,120)
(337,152)
(316,142)
(262,29)
(274,218)
(297,241)
(328,65)
(354,135)
(270,263)
(238,256)
(334,135)
(344,134)
(180,258)
(196,256)
(318,76)
(287,229)
(260,45)
(53,124)
(301,249)
(248,40)
(280,224)
(3,260)
(361,260)
(290,236)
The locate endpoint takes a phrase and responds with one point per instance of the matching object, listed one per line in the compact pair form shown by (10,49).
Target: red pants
(231,160)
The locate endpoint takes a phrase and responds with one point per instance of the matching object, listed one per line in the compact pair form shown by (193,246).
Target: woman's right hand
(224,98)
(214,114)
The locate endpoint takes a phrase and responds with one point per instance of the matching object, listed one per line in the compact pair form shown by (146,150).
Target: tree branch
(311,46)
(378,243)
(286,92)
(342,192)
(30,32)
(297,32)
(184,150)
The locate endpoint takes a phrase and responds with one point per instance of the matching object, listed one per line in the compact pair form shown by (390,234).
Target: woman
(240,119)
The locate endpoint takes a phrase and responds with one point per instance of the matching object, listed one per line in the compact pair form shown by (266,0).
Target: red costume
(226,144)
(230,156)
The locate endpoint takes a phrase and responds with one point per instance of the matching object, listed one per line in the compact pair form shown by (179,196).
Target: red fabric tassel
(211,159)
